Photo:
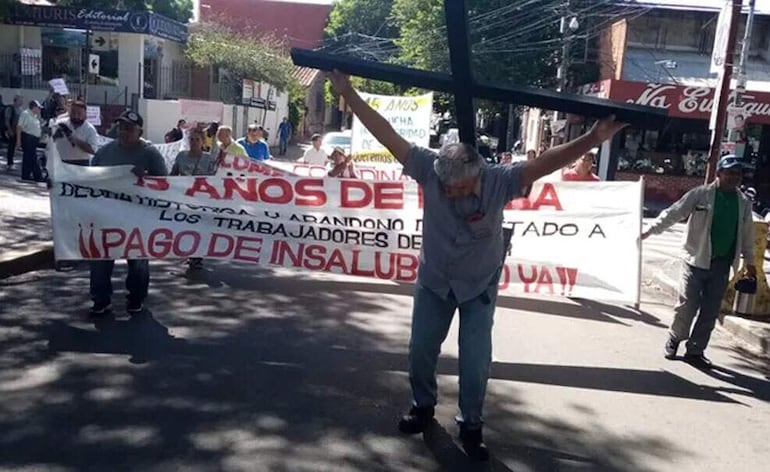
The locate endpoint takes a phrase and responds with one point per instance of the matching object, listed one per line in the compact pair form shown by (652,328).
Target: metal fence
(171,82)
(11,75)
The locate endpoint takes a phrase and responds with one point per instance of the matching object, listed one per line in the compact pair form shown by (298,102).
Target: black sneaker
(134,306)
(473,443)
(100,308)
(670,349)
(698,360)
(417,420)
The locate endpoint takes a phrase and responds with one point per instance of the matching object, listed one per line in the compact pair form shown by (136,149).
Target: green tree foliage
(179,10)
(422,40)
(362,28)
(512,41)
(245,56)
(366,17)
(262,58)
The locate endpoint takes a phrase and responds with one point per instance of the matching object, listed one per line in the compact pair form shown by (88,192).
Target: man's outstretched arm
(374,122)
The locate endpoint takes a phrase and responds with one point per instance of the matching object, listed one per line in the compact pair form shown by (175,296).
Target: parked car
(336,139)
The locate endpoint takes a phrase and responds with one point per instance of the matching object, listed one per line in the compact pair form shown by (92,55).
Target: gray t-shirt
(145,155)
(462,245)
(186,165)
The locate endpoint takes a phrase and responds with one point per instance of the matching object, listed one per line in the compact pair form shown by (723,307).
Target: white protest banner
(242,166)
(59,86)
(409,116)
(169,151)
(94,115)
(572,239)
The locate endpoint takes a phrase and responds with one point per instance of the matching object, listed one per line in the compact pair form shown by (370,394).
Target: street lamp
(573,24)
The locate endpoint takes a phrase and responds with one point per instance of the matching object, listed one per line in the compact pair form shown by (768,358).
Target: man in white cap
(583,170)
(719,230)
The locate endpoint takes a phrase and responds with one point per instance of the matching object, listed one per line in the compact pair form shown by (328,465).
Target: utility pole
(740,88)
(567,28)
(723,93)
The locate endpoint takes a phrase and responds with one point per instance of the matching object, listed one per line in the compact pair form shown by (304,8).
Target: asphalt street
(240,368)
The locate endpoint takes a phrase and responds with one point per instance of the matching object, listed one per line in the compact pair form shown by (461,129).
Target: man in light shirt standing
(314,155)
(27,138)
(75,138)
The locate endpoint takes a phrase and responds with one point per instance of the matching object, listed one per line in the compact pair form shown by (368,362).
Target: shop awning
(140,22)
(693,102)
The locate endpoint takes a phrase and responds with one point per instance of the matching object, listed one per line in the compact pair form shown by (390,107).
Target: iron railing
(11,74)
(171,82)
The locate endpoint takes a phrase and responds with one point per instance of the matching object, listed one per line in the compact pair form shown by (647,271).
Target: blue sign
(141,22)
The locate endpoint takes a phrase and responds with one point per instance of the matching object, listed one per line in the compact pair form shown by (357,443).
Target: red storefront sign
(682,101)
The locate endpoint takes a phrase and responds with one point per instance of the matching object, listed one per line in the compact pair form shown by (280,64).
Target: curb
(754,333)
(21,262)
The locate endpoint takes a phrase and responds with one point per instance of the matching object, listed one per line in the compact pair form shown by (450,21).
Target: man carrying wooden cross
(461,257)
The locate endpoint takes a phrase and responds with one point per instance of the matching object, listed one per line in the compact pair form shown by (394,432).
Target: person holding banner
(226,145)
(256,148)
(720,229)
(75,138)
(128,149)
(342,165)
(194,162)
(461,256)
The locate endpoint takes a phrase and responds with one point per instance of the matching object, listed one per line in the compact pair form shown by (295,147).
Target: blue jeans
(137,281)
(283,144)
(431,317)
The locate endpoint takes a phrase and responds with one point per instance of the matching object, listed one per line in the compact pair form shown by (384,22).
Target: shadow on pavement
(746,386)
(745,359)
(266,373)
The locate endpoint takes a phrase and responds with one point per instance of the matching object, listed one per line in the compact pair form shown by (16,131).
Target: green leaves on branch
(262,58)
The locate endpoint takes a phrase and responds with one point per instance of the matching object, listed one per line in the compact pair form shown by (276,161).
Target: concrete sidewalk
(25,225)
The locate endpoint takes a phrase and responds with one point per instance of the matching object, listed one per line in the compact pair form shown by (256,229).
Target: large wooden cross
(464,86)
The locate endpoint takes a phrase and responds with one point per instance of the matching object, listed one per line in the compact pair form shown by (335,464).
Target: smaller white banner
(59,86)
(94,115)
(409,116)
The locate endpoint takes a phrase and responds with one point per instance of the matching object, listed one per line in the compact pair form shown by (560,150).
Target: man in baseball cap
(128,149)
(719,230)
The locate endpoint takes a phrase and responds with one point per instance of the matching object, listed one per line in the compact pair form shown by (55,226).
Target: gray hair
(457,162)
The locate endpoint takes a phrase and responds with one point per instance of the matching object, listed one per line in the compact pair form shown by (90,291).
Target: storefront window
(64,55)
(680,149)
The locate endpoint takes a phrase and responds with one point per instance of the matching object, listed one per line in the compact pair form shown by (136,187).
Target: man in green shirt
(719,231)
